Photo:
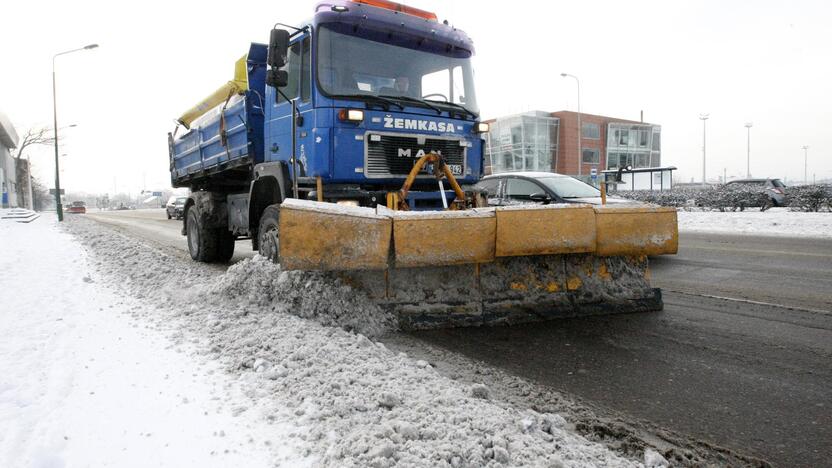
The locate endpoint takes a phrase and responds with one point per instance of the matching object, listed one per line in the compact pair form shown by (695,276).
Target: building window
(591,156)
(643,137)
(642,160)
(591,131)
(623,137)
(657,141)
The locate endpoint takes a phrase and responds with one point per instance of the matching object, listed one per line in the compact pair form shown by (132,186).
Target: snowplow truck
(351,145)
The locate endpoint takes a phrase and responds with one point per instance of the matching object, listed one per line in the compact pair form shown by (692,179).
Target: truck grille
(396,155)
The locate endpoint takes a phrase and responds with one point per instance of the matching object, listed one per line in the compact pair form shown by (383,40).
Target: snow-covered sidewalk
(772,222)
(82,385)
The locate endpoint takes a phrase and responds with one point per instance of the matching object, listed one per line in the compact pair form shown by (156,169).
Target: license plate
(456,169)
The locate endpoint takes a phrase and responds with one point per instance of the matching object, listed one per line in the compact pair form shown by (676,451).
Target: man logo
(408,153)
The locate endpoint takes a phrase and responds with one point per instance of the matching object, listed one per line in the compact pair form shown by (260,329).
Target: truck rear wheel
(268,242)
(202,241)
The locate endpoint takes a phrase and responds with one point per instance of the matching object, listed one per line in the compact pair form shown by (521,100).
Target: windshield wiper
(372,97)
(458,106)
(417,101)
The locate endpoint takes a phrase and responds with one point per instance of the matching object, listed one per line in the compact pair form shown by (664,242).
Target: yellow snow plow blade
(325,236)
(484,265)
(545,230)
(432,238)
(644,230)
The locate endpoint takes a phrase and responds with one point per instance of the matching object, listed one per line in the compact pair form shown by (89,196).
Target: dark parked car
(175,206)
(774,188)
(511,188)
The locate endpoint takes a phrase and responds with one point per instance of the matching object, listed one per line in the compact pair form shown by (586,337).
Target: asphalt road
(741,357)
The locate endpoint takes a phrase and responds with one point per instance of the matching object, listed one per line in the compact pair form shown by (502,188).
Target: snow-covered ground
(82,384)
(772,222)
(124,355)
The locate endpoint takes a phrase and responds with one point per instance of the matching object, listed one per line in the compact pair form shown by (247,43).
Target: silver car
(512,188)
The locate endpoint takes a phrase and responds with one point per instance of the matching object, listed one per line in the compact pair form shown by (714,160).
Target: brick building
(548,141)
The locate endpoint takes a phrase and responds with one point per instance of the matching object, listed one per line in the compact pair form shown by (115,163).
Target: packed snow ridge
(357,403)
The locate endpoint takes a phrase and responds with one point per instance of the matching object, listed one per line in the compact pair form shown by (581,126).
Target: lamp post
(704,119)
(748,163)
(805,164)
(58,206)
(580,128)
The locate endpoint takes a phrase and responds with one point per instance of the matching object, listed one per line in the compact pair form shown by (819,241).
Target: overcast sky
(768,62)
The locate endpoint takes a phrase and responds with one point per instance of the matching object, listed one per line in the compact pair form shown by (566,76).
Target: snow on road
(772,222)
(290,356)
(82,385)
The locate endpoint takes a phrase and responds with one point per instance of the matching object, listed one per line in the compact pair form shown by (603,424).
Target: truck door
(279,146)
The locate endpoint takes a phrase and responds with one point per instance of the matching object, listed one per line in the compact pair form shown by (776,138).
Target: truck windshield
(353,65)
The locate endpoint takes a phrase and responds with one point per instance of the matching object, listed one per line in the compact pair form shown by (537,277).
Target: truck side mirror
(278,48)
(277,78)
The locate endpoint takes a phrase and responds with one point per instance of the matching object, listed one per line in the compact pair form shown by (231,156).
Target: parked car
(175,206)
(511,188)
(774,188)
(77,207)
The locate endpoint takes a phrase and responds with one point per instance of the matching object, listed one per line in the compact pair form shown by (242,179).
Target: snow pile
(82,386)
(262,286)
(359,403)
(774,222)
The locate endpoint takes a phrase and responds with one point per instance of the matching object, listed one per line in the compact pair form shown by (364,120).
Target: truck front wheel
(202,241)
(225,245)
(267,234)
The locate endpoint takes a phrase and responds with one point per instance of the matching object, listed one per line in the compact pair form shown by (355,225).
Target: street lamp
(580,129)
(704,119)
(58,206)
(748,163)
(805,164)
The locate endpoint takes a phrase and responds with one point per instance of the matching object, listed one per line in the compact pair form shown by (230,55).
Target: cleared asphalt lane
(752,371)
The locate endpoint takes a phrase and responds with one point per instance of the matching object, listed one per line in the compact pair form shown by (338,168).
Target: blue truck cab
(336,110)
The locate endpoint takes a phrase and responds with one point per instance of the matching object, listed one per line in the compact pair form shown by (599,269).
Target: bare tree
(36,136)
(33,137)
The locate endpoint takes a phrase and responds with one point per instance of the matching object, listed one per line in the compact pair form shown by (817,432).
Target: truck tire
(202,241)
(168,213)
(268,244)
(225,245)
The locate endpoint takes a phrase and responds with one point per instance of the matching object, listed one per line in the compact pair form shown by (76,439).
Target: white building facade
(8,171)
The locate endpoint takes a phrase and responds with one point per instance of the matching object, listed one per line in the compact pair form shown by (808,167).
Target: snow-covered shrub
(816,197)
(733,197)
(676,197)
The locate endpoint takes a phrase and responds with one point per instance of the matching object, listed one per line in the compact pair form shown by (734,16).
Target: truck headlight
(481,127)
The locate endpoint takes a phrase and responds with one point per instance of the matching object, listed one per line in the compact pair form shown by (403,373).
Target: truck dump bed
(216,136)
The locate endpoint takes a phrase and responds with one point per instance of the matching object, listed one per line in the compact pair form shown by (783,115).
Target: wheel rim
(193,235)
(270,244)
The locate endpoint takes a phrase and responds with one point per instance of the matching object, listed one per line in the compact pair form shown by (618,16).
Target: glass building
(636,145)
(522,142)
